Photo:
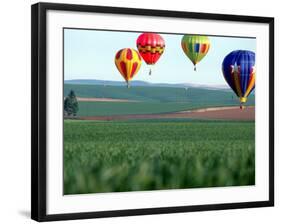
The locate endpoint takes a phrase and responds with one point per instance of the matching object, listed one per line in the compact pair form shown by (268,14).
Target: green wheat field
(120,156)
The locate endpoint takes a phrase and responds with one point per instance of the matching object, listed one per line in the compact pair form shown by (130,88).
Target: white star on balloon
(253,70)
(235,69)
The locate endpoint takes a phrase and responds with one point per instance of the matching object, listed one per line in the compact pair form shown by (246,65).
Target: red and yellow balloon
(150,46)
(128,63)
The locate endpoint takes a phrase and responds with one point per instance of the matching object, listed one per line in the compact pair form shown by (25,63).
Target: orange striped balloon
(128,63)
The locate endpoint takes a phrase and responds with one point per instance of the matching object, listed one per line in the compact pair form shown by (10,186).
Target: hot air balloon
(128,63)
(151,46)
(238,68)
(195,47)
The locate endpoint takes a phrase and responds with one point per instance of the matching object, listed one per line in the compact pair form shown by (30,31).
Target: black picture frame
(38,109)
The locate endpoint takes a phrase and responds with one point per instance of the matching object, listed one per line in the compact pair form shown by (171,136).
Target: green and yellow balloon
(195,47)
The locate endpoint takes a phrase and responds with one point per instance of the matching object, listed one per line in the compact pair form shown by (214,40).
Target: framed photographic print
(139,111)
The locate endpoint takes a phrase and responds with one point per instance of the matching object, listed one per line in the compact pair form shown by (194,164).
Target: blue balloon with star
(238,69)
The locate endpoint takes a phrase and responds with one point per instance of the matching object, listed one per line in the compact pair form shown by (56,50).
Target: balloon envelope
(150,46)
(195,47)
(128,63)
(238,68)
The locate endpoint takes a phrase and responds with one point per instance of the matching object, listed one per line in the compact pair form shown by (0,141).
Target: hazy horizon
(145,81)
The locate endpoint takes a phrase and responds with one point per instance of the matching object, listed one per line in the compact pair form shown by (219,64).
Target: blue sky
(89,54)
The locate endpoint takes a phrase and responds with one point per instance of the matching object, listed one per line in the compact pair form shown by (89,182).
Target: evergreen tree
(71,104)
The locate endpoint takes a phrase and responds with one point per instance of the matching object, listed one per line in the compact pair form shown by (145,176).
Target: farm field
(149,100)
(115,156)
(123,108)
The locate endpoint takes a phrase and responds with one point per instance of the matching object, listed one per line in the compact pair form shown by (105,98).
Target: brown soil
(219,113)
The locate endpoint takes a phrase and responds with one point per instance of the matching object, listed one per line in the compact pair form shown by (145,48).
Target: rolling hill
(142,83)
(149,99)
